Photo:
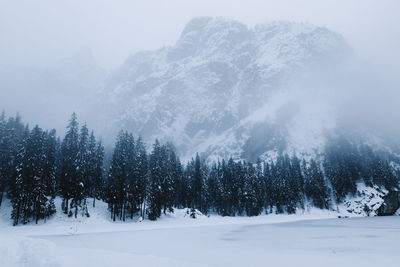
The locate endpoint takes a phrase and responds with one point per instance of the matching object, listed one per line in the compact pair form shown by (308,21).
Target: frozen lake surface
(325,242)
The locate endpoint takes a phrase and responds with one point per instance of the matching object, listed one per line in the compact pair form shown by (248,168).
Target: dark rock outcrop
(390,205)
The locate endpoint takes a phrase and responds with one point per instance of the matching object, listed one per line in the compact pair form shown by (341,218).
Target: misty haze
(195,133)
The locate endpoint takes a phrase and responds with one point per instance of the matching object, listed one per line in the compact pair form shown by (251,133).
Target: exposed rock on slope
(391,204)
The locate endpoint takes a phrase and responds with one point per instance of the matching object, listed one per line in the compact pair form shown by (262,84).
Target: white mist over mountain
(225,89)
(42,31)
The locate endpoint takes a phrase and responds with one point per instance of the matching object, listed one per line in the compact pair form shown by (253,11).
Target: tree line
(36,166)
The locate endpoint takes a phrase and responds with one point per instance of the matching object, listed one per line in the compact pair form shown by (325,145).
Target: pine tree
(79,182)
(197,184)
(120,176)
(97,172)
(13,136)
(141,174)
(35,166)
(296,182)
(169,182)
(382,175)
(183,186)
(41,181)
(253,202)
(341,167)
(242,185)
(50,170)
(212,185)
(268,204)
(30,192)
(18,191)
(130,206)
(4,155)
(70,163)
(154,194)
(226,176)
(91,160)
(315,187)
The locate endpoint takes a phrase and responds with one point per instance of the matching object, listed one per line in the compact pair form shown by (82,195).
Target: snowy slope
(228,90)
(100,221)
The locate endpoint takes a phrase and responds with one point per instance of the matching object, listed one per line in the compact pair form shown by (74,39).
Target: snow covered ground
(315,238)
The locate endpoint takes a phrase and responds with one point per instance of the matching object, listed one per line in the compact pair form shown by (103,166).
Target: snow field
(314,238)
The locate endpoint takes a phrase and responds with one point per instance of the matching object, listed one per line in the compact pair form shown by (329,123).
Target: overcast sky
(42,31)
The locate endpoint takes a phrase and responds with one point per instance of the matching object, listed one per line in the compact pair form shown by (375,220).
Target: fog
(42,31)
(44,36)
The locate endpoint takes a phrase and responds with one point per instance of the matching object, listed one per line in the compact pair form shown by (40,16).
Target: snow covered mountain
(225,89)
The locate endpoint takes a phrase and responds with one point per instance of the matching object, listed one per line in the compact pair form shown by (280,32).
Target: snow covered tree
(69,163)
(112,192)
(35,167)
(314,186)
(119,178)
(19,189)
(296,182)
(341,167)
(78,183)
(141,175)
(212,188)
(382,175)
(197,184)
(30,194)
(225,189)
(253,201)
(4,155)
(50,168)
(154,192)
(130,205)
(12,133)
(95,173)
(169,181)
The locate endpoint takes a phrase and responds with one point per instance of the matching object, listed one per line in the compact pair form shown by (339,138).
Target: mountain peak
(208,35)
(210,25)
(221,88)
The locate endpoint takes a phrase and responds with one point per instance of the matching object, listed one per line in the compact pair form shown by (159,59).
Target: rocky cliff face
(228,90)
(390,205)
(371,201)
